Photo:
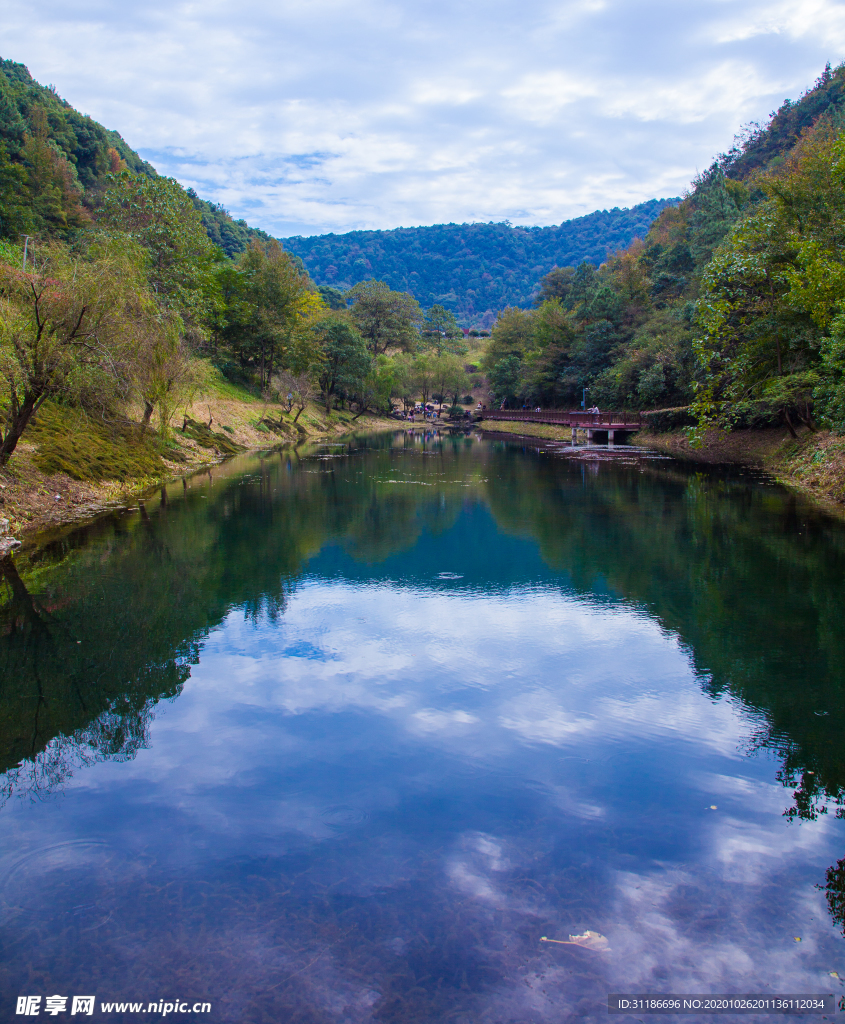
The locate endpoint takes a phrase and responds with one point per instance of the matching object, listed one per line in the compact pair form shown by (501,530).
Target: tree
(506,380)
(269,309)
(54,192)
(333,297)
(16,216)
(162,368)
(404,379)
(442,332)
(773,294)
(344,359)
(373,390)
(512,335)
(425,375)
(160,216)
(297,388)
(450,377)
(385,319)
(68,322)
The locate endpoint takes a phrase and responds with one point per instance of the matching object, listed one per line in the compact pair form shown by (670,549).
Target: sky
(332,115)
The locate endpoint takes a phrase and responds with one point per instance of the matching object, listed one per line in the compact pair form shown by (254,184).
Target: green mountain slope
(471,269)
(54,162)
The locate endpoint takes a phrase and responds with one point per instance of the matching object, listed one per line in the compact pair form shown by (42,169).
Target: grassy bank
(549,431)
(71,465)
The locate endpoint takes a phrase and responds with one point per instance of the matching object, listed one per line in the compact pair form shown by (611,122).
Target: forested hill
(475,270)
(733,304)
(54,162)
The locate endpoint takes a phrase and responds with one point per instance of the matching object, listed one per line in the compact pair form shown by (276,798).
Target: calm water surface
(339,736)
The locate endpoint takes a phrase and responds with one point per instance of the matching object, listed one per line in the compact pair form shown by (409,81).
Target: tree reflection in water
(101,625)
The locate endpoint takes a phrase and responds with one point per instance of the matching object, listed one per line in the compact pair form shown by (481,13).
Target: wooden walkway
(610,422)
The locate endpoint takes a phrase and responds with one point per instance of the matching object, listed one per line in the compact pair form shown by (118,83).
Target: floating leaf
(589,940)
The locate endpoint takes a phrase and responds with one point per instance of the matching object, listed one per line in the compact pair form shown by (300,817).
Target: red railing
(601,421)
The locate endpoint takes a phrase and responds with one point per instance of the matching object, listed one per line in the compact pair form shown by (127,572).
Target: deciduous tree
(385,319)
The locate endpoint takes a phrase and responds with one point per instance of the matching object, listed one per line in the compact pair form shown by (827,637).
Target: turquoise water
(343,735)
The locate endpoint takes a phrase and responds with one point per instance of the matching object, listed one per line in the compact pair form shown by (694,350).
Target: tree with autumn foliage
(69,324)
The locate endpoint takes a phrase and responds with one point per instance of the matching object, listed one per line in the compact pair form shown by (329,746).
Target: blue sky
(331,115)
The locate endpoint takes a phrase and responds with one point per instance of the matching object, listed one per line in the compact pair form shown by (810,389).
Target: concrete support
(610,434)
(575,435)
(589,436)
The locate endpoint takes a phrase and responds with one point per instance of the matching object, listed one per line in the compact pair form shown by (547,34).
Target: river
(352,734)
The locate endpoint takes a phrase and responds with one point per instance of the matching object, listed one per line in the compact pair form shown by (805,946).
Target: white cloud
(333,115)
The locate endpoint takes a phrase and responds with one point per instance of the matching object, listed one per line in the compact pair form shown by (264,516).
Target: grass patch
(87,448)
(207,438)
(219,387)
(550,431)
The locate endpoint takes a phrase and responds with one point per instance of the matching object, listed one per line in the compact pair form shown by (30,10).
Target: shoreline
(812,466)
(37,507)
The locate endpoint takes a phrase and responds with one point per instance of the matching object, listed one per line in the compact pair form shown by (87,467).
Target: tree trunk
(298,414)
(789,424)
(148,412)
(17,423)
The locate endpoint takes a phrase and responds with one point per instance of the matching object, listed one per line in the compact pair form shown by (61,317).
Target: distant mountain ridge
(475,270)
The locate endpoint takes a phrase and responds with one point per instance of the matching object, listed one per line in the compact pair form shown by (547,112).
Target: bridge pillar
(589,436)
(610,434)
(575,435)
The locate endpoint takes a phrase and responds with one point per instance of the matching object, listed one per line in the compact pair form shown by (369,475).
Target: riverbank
(70,467)
(813,465)
(548,431)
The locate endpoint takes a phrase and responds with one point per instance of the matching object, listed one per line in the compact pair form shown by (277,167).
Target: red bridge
(610,423)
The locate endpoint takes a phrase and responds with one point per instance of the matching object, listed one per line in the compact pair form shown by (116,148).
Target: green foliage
(160,216)
(385,319)
(442,333)
(344,358)
(660,421)
(506,382)
(333,297)
(472,270)
(774,294)
(267,302)
(68,325)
